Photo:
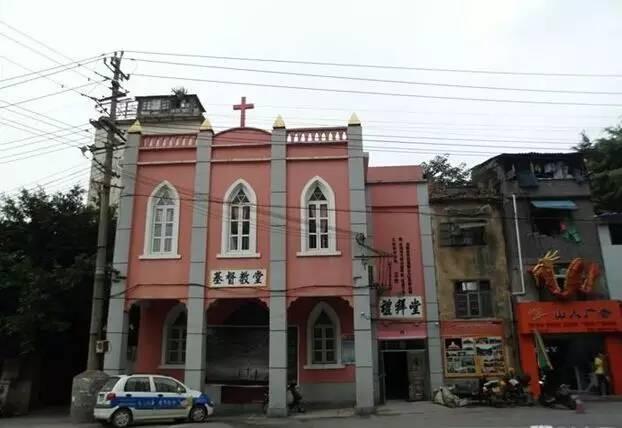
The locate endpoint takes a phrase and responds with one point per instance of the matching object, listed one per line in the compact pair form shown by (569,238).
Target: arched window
(318,219)
(323,337)
(162,226)
(239,221)
(174,337)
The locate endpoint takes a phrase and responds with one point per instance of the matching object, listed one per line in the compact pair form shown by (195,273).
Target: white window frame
(168,321)
(225,252)
(173,254)
(305,195)
(313,316)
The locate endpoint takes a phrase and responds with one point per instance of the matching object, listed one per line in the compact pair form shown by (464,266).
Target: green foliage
(603,158)
(46,265)
(439,170)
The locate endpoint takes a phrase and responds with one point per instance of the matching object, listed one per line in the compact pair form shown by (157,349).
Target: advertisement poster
(474,356)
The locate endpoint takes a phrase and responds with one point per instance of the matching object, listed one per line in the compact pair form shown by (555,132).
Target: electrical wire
(365,92)
(367,79)
(44,75)
(377,66)
(27,100)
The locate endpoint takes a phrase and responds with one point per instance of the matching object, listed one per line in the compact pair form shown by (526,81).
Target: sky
(404,122)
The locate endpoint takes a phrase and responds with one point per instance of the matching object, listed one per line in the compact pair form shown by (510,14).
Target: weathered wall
(477,262)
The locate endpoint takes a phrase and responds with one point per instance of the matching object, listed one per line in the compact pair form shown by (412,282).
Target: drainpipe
(520,251)
(522,291)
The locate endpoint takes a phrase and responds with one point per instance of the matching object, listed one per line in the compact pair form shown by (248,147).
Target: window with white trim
(323,336)
(318,222)
(175,345)
(239,221)
(324,349)
(162,222)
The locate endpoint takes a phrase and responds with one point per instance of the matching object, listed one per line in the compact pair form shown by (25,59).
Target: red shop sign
(570,317)
(472,328)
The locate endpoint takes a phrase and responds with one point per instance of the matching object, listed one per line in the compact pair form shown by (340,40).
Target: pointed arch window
(239,226)
(162,226)
(323,338)
(174,337)
(318,220)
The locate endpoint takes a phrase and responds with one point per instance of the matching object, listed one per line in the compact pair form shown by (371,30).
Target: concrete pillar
(435,356)
(194,373)
(117,325)
(277,370)
(363,333)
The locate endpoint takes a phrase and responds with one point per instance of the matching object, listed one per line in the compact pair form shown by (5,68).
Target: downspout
(522,283)
(520,250)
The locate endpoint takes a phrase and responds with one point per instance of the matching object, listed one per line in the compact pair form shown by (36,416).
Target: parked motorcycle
(551,394)
(517,391)
(492,392)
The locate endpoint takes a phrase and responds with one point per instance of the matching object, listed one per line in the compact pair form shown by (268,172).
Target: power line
(78,62)
(378,66)
(40,43)
(45,75)
(49,95)
(368,79)
(392,94)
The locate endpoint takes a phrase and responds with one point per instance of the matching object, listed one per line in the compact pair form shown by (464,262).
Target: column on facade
(364,343)
(117,324)
(194,373)
(277,366)
(433,329)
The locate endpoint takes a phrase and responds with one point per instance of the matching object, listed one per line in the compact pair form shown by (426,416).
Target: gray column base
(364,411)
(277,413)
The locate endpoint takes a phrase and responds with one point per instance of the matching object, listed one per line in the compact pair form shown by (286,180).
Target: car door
(172,398)
(139,396)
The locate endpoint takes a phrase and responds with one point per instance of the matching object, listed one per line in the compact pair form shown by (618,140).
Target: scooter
(550,395)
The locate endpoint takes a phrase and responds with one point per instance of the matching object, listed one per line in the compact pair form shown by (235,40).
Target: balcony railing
(317,135)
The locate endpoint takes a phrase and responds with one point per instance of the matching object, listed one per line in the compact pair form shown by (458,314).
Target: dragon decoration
(581,276)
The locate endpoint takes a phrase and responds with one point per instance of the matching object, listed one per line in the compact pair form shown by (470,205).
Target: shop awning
(555,205)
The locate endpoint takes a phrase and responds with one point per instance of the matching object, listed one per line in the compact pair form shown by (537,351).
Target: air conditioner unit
(101,346)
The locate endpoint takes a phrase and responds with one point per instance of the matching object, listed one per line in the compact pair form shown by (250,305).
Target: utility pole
(85,385)
(99,280)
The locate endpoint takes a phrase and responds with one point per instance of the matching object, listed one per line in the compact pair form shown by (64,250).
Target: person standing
(600,370)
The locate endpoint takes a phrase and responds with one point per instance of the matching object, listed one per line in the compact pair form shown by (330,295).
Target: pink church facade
(258,258)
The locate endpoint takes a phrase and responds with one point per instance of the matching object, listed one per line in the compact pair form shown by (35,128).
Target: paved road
(598,414)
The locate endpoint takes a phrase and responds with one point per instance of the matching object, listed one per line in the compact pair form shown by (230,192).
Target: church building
(255,258)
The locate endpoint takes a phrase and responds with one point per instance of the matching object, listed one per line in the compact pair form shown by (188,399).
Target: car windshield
(110,383)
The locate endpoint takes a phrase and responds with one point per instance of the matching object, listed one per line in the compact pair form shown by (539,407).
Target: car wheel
(198,414)
(122,418)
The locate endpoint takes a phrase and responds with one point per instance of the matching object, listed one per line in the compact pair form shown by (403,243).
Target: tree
(440,170)
(603,159)
(46,266)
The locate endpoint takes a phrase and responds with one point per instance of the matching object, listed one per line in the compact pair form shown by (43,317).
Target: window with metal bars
(473,299)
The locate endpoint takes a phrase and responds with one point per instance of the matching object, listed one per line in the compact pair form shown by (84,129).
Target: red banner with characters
(569,317)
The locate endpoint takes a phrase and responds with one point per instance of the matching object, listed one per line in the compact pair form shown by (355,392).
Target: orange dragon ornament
(580,276)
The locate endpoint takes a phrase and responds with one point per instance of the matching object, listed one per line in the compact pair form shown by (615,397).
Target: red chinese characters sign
(569,317)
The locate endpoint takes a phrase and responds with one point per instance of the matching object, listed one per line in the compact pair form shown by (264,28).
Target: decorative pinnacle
(278,122)
(206,125)
(136,128)
(354,120)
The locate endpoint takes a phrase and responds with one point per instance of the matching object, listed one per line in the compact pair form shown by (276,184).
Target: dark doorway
(396,375)
(572,356)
